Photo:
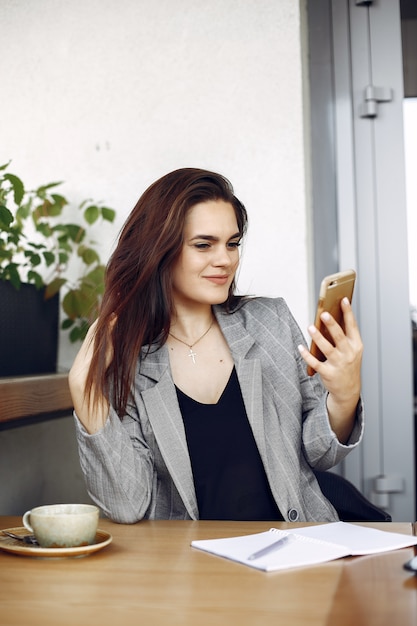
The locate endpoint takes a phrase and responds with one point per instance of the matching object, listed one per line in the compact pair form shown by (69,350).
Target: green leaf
(95,278)
(40,211)
(84,202)
(58,199)
(24,210)
(44,228)
(75,232)
(46,209)
(91,214)
(36,246)
(33,257)
(49,258)
(79,332)
(14,236)
(75,335)
(34,277)
(67,323)
(108,214)
(54,287)
(83,327)
(5,254)
(64,246)
(54,209)
(12,274)
(75,304)
(88,255)
(18,187)
(6,218)
(41,191)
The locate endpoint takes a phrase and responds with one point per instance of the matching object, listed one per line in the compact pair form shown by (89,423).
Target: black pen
(271,548)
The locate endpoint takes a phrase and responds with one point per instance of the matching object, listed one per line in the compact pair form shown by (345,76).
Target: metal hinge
(371,96)
(383,486)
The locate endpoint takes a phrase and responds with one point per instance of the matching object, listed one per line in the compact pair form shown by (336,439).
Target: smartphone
(332,291)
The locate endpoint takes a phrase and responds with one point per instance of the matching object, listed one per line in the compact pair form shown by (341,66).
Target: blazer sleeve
(321,446)
(118,467)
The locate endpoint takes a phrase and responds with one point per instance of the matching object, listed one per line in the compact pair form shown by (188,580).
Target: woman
(192,402)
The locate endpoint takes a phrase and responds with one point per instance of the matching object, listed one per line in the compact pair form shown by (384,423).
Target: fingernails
(325,316)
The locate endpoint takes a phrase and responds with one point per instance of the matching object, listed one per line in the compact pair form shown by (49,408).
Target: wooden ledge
(31,396)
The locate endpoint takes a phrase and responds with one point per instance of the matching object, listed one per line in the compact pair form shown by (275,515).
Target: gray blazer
(139,467)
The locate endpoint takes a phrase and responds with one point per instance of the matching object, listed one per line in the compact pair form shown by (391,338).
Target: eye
(233,245)
(202,246)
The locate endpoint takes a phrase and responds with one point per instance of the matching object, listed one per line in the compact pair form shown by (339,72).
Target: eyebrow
(213,238)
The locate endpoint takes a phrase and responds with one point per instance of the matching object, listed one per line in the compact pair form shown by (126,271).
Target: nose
(224,257)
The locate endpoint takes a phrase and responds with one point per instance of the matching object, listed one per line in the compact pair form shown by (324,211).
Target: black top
(229,476)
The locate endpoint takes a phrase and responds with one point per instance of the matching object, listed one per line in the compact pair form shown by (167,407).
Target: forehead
(211,216)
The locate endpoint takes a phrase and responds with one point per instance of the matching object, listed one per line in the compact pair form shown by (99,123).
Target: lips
(218,280)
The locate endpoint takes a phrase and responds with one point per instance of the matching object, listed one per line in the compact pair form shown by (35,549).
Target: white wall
(108,95)
(39,465)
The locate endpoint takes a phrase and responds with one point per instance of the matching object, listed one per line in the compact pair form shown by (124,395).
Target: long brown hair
(137,304)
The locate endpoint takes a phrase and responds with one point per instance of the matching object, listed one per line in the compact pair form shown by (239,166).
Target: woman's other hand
(341,371)
(91,411)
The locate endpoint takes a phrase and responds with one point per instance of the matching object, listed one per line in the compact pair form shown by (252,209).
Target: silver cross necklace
(193,354)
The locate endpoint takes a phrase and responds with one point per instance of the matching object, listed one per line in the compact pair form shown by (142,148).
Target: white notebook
(309,545)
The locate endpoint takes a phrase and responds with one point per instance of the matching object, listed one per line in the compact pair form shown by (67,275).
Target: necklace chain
(193,354)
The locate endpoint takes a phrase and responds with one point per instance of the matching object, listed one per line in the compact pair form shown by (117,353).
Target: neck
(191,324)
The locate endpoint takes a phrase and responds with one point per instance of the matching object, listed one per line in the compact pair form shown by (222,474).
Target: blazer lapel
(250,379)
(248,371)
(164,415)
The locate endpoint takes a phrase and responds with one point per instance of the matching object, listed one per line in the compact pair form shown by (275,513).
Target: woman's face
(209,258)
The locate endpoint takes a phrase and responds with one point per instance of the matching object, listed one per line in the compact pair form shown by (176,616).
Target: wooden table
(150,575)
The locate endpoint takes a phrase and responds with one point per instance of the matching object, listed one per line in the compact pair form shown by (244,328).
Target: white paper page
(357,539)
(297,553)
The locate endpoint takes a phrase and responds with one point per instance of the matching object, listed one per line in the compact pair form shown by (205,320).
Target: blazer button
(293,515)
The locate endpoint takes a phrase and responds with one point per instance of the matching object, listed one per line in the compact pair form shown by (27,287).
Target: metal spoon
(30,539)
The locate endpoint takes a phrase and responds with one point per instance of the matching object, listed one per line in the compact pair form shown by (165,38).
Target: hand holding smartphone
(332,291)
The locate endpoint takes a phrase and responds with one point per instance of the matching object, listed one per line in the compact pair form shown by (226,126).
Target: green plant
(37,245)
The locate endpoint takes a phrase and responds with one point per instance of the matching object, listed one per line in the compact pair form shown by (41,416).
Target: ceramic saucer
(15,546)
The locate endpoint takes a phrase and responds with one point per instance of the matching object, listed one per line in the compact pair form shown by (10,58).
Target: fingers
(334,333)
(348,317)
(327,337)
(339,347)
(340,373)
(311,361)
(324,345)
